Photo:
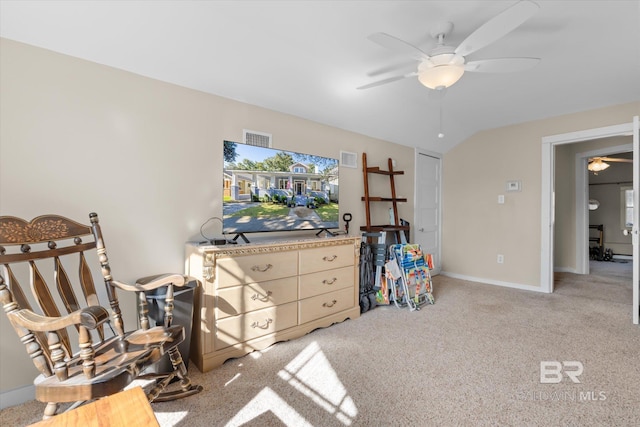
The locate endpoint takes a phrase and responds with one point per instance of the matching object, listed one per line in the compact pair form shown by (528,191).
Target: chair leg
(179,370)
(50,410)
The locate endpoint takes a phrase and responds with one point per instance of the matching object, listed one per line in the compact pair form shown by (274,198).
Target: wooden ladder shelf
(394,200)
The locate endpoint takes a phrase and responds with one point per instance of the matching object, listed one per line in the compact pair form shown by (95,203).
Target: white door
(636,220)
(427,208)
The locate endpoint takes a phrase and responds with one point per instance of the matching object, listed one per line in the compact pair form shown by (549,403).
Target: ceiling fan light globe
(440,75)
(597,165)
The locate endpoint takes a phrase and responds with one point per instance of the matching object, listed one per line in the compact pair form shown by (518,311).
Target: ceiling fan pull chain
(440,132)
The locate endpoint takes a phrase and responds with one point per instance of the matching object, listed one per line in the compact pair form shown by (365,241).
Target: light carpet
(473,358)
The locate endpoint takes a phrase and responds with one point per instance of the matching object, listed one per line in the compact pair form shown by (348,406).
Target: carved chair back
(46,269)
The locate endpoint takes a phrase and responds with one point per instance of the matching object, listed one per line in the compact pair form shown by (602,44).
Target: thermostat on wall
(514,186)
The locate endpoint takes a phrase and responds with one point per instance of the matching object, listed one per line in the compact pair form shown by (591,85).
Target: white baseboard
(492,282)
(17,396)
(565,270)
(627,257)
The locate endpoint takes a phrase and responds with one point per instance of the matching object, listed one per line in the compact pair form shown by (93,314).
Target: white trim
(582,214)
(565,270)
(547,219)
(636,220)
(17,396)
(492,282)
(589,134)
(548,198)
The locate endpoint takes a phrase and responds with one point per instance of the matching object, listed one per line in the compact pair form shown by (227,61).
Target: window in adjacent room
(626,208)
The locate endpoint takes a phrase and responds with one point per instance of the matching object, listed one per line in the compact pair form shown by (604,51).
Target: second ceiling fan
(598,164)
(444,65)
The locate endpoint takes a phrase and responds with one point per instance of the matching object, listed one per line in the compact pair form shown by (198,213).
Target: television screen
(267,189)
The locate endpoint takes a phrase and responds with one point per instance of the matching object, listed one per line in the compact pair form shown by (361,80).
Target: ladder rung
(376,169)
(388,227)
(384,199)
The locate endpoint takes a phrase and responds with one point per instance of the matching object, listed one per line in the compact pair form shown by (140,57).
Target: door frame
(636,221)
(418,152)
(547,220)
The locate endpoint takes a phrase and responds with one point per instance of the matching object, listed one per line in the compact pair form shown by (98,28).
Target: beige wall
(78,137)
(475,227)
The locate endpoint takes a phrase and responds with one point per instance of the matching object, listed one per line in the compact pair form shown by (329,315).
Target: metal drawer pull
(261,297)
(331,304)
(263,269)
(266,324)
(330,282)
(331,258)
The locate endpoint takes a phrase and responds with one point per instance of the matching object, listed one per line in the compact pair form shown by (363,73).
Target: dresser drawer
(244,327)
(313,284)
(255,268)
(324,258)
(255,296)
(323,305)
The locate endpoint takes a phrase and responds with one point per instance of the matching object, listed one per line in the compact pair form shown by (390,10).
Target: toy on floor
(408,276)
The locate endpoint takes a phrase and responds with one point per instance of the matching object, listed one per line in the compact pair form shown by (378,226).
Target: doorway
(605,189)
(548,202)
(588,229)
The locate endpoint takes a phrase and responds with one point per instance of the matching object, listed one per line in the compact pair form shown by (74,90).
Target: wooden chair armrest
(89,317)
(150,283)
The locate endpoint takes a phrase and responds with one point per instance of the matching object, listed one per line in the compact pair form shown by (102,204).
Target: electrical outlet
(500,259)
(501,199)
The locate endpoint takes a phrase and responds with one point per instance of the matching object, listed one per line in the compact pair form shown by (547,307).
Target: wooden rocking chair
(95,363)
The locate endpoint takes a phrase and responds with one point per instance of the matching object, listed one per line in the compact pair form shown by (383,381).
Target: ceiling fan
(444,65)
(597,164)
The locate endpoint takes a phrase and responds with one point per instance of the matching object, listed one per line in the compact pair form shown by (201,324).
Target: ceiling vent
(348,160)
(259,139)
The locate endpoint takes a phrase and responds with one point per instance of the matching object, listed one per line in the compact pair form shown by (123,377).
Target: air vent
(259,139)
(348,160)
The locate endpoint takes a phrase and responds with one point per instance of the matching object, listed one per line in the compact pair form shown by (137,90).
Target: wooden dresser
(254,295)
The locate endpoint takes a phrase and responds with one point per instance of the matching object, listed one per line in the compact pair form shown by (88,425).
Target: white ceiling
(306,58)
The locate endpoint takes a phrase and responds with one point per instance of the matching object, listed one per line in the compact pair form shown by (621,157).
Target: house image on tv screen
(242,184)
(275,190)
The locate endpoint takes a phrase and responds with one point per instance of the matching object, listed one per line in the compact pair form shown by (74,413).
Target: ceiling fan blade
(498,26)
(501,65)
(394,43)
(611,159)
(388,80)
(404,66)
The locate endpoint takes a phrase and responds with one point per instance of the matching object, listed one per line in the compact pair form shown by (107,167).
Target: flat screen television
(267,190)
